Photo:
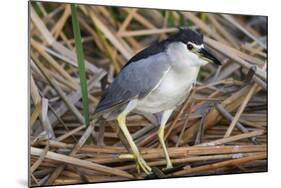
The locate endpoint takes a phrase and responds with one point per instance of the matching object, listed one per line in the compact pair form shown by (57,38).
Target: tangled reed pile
(220,129)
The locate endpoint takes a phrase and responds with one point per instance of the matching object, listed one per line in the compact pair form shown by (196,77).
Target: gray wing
(135,80)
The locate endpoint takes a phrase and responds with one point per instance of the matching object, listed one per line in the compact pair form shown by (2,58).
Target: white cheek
(203,62)
(195,60)
(181,57)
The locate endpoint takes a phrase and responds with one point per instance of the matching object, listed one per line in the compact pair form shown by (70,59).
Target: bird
(156,80)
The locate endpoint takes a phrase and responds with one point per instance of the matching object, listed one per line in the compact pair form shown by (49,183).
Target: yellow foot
(169,166)
(140,162)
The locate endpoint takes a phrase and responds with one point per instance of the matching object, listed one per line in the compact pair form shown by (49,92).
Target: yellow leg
(122,124)
(164,119)
(162,142)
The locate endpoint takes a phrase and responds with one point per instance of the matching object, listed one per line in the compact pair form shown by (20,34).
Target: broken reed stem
(233,138)
(81,163)
(56,30)
(194,159)
(53,83)
(75,149)
(229,117)
(45,119)
(151,153)
(40,159)
(251,92)
(232,163)
(241,109)
(40,48)
(146,32)
(224,49)
(70,133)
(109,50)
(124,36)
(231,103)
(199,136)
(126,22)
(112,153)
(114,39)
(243,29)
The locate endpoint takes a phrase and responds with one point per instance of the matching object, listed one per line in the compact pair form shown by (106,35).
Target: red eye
(189,46)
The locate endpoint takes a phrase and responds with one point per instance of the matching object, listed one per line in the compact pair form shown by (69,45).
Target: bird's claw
(140,161)
(168,167)
(155,173)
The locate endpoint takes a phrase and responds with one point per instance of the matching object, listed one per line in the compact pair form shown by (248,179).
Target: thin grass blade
(81,63)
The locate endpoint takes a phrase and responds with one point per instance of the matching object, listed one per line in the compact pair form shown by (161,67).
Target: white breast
(171,91)
(176,83)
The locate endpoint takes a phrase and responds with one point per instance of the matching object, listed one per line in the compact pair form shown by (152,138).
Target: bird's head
(193,45)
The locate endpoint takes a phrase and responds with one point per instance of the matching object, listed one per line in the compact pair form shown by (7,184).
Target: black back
(131,82)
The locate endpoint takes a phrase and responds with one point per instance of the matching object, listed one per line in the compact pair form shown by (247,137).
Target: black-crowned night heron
(156,80)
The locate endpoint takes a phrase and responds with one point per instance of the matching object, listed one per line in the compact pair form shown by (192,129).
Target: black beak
(206,55)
